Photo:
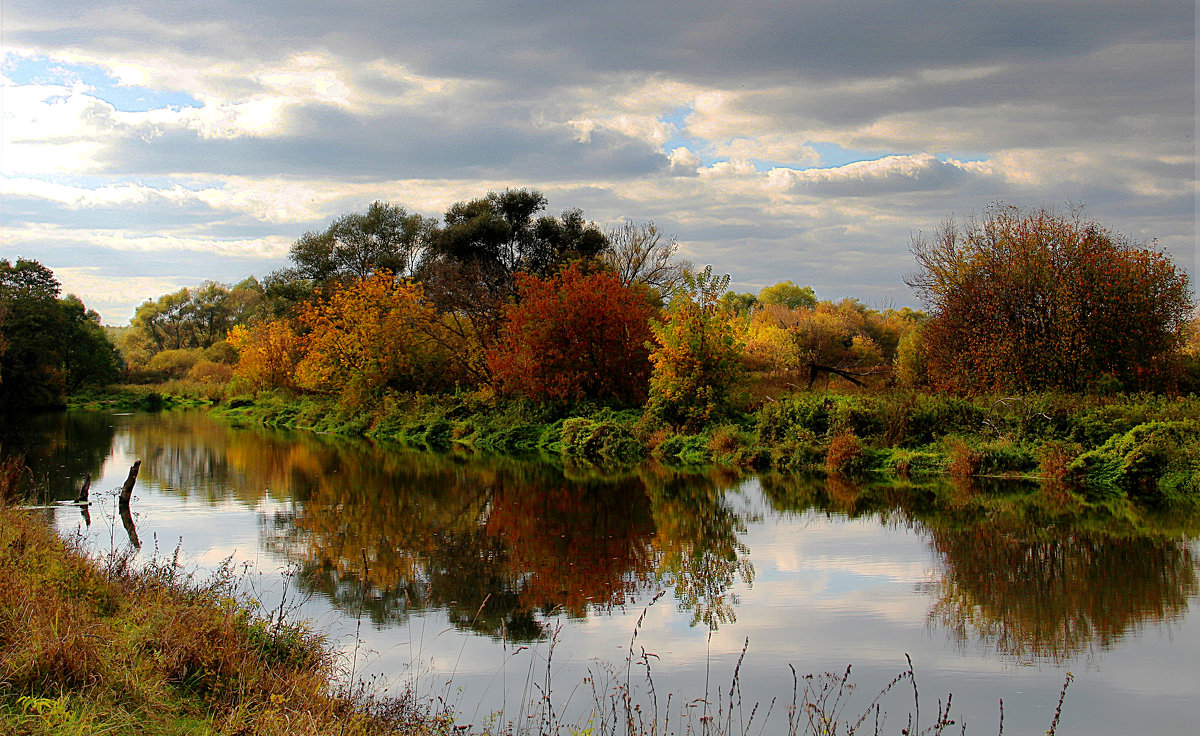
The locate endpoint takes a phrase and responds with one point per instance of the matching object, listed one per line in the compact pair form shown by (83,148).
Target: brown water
(471,579)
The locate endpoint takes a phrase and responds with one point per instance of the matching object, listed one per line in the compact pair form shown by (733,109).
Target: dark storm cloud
(538,42)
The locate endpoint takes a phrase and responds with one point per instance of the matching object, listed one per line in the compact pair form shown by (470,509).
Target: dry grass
(12,469)
(92,646)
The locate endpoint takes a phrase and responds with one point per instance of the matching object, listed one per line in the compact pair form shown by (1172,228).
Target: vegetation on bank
(1144,448)
(93,646)
(510,331)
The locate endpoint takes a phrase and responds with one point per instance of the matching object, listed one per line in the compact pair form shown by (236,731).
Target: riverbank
(1144,448)
(104,645)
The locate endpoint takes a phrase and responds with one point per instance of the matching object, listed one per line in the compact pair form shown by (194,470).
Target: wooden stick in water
(83,491)
(127,489)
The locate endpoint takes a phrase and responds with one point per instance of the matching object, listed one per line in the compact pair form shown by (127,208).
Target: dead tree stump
(127,489)
(83,491)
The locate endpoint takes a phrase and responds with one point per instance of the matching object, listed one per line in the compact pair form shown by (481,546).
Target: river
(501,587)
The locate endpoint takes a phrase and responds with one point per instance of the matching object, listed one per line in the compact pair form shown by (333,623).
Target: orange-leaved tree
(1033,300)
(368,335)
(573,336)
(267,355)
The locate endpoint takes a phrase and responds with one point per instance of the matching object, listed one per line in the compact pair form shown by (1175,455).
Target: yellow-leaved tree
(267,355)
(367,335)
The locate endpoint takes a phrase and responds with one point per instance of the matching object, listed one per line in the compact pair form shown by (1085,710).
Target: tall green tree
(89,357)
(358,244)
(31,374)
(51,345)
(501,234)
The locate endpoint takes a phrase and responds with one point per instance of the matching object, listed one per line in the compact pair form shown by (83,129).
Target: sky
(149,145)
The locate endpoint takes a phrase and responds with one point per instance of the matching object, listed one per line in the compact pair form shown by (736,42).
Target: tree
(32,374)
(267,355)
(738,304)
(468,271)
(366,336)
(357,244)
(51,345)
(640,253)
(696,356)
(89,358)
(190,319)
(1033,300)
(574,336)
(789,295)
(500,235)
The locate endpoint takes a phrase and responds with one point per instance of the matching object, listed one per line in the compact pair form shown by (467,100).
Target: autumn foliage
(574,336)
(1038,300)
(697,356)
(366,336)
(267,355)
(356,340)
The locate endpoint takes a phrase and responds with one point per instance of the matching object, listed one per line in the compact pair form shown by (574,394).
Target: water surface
(473,578)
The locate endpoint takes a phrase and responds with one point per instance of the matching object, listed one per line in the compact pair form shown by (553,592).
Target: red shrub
(574,336)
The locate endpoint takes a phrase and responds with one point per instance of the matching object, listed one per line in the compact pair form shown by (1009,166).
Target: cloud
(802,140)
(887,175)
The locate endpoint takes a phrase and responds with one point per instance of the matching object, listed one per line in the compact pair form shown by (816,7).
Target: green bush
(683,449)
(908,463)
(1154,461)
(597,441)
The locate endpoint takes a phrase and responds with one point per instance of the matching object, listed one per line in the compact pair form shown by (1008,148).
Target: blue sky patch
(39,70)
(832,155)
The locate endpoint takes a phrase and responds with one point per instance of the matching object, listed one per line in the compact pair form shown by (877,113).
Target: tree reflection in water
(1033,593)
(1025,571)
(501,545)
(59,448)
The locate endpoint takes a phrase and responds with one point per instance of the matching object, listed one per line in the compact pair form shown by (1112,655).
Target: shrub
(1155,461)
(173,363)
(846,454)
(207,371)
(574,336)
(963,459)
(683,449)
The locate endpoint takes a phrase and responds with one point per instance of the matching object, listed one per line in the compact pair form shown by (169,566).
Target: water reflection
(503,546)
(1024,571)
(60,448)
(500,545)
(1033,593)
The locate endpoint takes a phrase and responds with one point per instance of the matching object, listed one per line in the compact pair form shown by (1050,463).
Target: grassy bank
(1146,448)
(101,646)
(1142,447)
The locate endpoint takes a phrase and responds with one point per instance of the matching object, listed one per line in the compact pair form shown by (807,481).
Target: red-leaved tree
(1034,300)
(574,336)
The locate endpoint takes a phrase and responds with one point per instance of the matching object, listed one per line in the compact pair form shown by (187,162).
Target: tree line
(500,295)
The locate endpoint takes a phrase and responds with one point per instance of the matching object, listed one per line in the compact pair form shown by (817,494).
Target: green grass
(901,433)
